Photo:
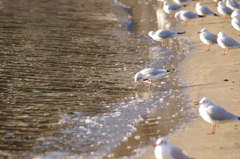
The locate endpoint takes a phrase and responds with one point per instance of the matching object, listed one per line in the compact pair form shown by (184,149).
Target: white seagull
(186,15)
(232,4)
(161,35)
(171,8)
(180,2)
(235,13)
(226,42)
(203,10)
(165,150)
(224,10)
(207,38)
(236,23)
(214,114)
(150,74)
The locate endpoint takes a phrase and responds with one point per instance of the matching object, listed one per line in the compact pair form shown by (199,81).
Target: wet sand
(204,74)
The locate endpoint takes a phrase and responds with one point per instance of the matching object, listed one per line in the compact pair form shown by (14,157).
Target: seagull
(165,150)
(207,38)
(224,10)
(186,15)
(214,114)
(180,2)
(235,13)
(232,4)
(226,42)
(150,74)
(171,8)
(161,35)
(203,10)
(236,23)
(217,2)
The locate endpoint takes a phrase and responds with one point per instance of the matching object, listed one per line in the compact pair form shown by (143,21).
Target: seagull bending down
(186,15)
(161,35)
(214,114)
(150,74)
(207,38)
(165,150)
(226,42)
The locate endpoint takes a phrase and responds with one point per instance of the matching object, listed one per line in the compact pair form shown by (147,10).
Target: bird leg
(225,52)
(171,16)
(162,44)
(213,129)
(208,48)
(149,87)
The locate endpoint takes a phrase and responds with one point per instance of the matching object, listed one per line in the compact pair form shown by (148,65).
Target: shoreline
(203,74)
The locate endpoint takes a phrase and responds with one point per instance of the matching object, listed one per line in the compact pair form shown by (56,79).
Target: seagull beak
(216,35)
(147,35)
(199,32)
(154,145)
(197,103)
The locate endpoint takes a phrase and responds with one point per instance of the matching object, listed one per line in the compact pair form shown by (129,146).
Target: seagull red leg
(208,48)
(213,129)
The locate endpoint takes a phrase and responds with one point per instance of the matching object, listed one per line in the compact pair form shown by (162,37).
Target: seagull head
(204,30)
(166,3)
(177,16)
(162,142)
(220,3)
(204,101)
(151,33)
(198,4)
(137,77)
(221,34)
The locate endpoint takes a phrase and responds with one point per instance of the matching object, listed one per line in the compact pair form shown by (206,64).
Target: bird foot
(211,133)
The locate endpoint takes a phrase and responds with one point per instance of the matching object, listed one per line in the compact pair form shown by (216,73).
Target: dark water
(66,81)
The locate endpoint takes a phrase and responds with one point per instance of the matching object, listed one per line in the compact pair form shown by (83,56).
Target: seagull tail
(171,70)
(201,16)
(181,32)
(184,5)
(216,15)
(238,118)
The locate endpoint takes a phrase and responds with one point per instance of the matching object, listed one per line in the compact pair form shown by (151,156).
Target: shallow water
(67,72)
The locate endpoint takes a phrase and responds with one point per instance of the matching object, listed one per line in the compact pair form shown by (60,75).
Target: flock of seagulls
(209,111)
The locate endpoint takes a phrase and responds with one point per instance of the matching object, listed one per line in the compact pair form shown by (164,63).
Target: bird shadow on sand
(189,86)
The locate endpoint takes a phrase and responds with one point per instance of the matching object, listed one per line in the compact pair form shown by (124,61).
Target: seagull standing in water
(165,150)
(186,15)
(214,114)
(203,10)
(171,8)
(161,35)
(207,38)
(226,42)
(150,74)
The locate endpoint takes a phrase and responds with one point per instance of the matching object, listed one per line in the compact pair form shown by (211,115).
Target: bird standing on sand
(235,13)
(161,35)
(180,2)
(150,74)
(214,114)
(226,42)
(236,23)
(224,10)
(203,10)
(207,38)
(186,15)
(232,4)
(165,150)
(171,8)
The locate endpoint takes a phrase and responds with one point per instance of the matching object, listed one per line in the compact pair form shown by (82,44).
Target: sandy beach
(216,76)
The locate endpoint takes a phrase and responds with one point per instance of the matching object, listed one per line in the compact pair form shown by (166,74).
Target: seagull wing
(177,153)
(219,113)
